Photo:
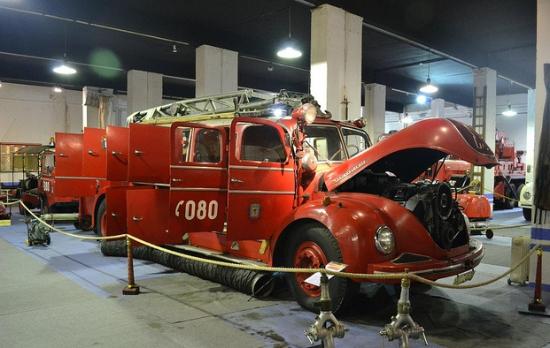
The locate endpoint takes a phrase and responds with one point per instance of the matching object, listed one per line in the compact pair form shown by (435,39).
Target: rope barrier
(253,267)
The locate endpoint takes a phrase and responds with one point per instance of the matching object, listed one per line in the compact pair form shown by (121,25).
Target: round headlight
(527,195)
(384,240)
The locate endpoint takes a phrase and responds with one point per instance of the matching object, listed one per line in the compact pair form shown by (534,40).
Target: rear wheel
(314,247)
(527,214)
(489,234)
(100,219)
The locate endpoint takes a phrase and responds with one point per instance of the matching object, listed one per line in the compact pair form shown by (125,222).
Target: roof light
(64,69)
(428,88)
(509,112)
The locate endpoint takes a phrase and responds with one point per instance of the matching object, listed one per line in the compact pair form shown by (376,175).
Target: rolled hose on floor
(257,284)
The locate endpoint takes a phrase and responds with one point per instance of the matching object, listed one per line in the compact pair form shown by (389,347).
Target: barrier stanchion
(537,307)
(131,288)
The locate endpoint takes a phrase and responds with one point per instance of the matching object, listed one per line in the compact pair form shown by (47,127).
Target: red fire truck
(509,174)
(297,191)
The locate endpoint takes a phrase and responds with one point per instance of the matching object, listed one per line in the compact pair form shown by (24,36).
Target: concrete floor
(69,295)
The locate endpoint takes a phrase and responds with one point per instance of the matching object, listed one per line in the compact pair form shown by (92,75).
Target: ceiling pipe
(95,25)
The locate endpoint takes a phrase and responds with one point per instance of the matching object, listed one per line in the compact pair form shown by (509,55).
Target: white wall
(32,114)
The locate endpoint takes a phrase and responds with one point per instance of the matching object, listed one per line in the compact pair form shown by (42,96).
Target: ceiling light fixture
(57,89)
(64,68)
(289,50)
(174,48)
(428,88)
(421,99)
(509,112)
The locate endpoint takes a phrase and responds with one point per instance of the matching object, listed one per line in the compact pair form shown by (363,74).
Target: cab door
(198,177)
(261,179)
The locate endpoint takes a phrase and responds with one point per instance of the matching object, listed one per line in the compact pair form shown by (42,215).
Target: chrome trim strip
(197,189)
(197,167)
(262,192)
(151,183)
(79,177)
(262,168)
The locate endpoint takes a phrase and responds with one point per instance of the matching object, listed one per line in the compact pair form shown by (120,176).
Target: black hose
(257,284)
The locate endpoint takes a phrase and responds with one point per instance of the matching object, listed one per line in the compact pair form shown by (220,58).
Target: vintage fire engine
(509,174)
(285,185)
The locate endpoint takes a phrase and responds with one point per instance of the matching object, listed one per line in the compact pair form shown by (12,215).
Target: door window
(203,145)
(261,143)
(325,142)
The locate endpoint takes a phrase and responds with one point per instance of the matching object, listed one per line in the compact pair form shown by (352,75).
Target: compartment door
(198,170)
(94,161)
(149,154)
(117,153)
(69,181)
(147,216)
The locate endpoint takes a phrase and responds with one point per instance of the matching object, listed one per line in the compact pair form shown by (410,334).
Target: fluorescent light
(421,99)
(0,84)
(428,88)
(289,52)
(64,69)
(509,112)
(57,89)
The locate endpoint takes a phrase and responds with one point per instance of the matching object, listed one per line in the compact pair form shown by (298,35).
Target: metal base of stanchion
(131,290)
(537,309)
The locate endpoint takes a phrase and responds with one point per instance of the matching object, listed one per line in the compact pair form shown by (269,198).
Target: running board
(217,255)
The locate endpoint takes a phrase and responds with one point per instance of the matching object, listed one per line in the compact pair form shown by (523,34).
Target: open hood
(414,149)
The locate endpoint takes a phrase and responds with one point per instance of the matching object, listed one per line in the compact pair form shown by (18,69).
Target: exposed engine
(432,203)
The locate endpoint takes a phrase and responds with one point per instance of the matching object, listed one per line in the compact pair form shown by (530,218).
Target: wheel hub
(309,255)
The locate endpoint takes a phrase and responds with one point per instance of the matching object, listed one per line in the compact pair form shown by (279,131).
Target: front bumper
(430,268)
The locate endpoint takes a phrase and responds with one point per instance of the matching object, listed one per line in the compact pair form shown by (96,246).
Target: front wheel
(314,247)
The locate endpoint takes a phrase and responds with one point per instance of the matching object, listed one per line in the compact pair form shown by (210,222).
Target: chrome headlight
(527,195)
(384,240)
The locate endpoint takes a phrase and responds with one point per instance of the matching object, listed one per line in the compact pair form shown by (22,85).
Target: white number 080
(200,210)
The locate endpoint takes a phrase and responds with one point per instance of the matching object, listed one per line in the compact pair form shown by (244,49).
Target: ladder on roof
(479,121)
(243,102)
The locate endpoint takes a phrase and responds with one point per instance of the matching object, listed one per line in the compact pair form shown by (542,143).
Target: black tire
(101,209)
(342,290)
(527,214)
(489,234)
(48,240)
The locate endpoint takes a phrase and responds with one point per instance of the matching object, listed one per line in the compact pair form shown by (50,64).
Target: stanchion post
(537,307)
(131,288)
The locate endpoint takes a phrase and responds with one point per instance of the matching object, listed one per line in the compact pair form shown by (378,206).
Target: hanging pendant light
(289,49)
(509,112)
(429,88)
(63,68)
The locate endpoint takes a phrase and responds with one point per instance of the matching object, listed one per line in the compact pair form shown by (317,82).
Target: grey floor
(69,295)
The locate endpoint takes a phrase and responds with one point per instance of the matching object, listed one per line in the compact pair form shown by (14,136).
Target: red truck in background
(509,174)
(39,192)
(80,171)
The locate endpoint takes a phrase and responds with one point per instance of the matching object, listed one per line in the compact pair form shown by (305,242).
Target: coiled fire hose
(258,268)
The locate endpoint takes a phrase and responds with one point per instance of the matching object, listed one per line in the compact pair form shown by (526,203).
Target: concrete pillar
(92,97)
(144,90)
(437,108)
(485,82)
(216,71)
(89,108)
(336,40)
(375,110)
(540,231)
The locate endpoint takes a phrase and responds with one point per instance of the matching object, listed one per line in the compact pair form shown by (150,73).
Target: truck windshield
(48,163)
(326,142)
(356,140)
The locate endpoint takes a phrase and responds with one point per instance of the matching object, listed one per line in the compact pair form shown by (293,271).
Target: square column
(375,110)
(437,108)
(484,120)
(144,90)
(540,231)
(530,139)
(216,71)
(96,107)
(336,41)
